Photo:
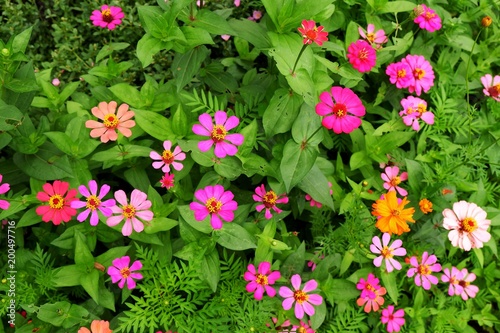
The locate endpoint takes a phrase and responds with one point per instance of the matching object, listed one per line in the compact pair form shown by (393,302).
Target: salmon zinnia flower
(111,121)
(59,207)
(310,33)
(392,216)
(97,326)
(108,17)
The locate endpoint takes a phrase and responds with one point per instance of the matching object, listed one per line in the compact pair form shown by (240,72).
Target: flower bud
(417,11)
(5,52)
(486,21)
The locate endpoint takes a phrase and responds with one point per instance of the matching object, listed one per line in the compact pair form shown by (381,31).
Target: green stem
(469,111)
(298,57)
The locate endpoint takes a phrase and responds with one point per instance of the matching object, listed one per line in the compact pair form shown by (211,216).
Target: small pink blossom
(362,56)
(225,37)
(108,17)
(4,188)
(261,280)
(423,75)
(469,290)
(394,320)
(225,144)
(269,200)
(415,109)
(167,181)
(392,179)
(491,86)
(400,74)
(300,297)
(427,18)
(387,252)
(375,38)
(237,3)
(133,212)
(168,158)
(121,271)
(56,82)
(217,203)
(423,270)
(371,293)
(453,276)
(256,15)
(310,33)
(93,202)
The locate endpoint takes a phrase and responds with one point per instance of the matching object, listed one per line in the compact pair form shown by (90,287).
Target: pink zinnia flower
(261,280)
(341,108)
(368,286)
(121,271)
(303,328)
(56,82)
(168,157)
(225,144)
(491,86)
(93,202)
(453,276)
(269,200)
(375,38)
(423,270)
(387,252)
(4,188)
(362,56)
(371,293)
(167,181)
(217,203)
(237,3)
(256,15)
(415,109)
(300,297)
(400,74)
(108,17)
(394,320)
(423,75)
(392,180)
(310,33)
(131,212)
(59,207)
(469,290)
(111,121)
(427,18)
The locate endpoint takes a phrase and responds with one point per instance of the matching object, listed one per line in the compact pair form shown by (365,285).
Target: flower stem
(298,57)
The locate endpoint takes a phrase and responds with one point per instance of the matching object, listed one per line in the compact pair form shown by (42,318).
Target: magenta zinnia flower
(310,33)
(131,212)
(121,271)
(387,252)
(362,56)
(392,180)
(415,109)
(167,181)
(423,270)
(4,188)
(371,293)
(400,74)
(467,224)
(375,38)
(469,290)
(261,280)
(394,320)
(59,207)
(225,144)
(300,297)
(427,18)
(108,17)
(217,203)
(341,108)
(453,276)
(423,75)
(168,157)
(93,202)
(269,200)
(491,86)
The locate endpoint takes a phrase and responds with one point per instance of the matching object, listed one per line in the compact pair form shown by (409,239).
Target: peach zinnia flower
(97,326)
(111,121)
(392,215)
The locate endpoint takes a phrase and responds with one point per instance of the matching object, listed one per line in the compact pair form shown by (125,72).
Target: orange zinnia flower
(111,121)
(425,206)
(97,326)
(391,214)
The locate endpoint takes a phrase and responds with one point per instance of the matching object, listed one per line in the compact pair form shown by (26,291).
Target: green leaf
(249,132)
(153,21)
(234,237)
(29,218)
(186,66)
(75,315)
(390,283)
(296,163)
(211,22)
(10,117)
(160,224)
(319,315)
(83,256)
(480,256)
(397,7)
(61,141)
(180,122)
(46,164)
(359,159)
(415,175)
(21,41)
(68,276)
(68,90)
(196,37)
(294,263)
(210,269)
(155,125)
(347,261)
(188,215)
(107,257)
(109,48)
(307,127)
(315,184)
(53,313)
(148,46)
(339,290)
(90,282)
(252,32)
(128,94)
(281,112)
(228,167)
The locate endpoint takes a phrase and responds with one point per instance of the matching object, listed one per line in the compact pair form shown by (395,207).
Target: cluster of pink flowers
(371,293)
(415,109)
(460,282)
(165,160)
(413,72)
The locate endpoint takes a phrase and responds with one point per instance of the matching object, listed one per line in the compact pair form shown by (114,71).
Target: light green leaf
(234,237)
(296,163)
(155,125)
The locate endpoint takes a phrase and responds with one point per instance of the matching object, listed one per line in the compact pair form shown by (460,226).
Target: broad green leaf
(155,125)
(68,276)
(234,237)
(296,163)
(286,44)
(61,141)
(160,224)
(281,112)
(307,127)
(128,94)
(22,40)
(186,66)
(109,48)
(68,90)
(75,315)
(252,32)
(107,257)
(397,7)
(249,132)
(315,184)
(10,117)
(210,269)
(83,256)
(196,37)
(319,315)
(180,124)
(212,22)
(46,164)
(153,21)
(188,216)
(415,175)
(53,313)
(359,159)
(148,46)
(294,263)
(228,167)
(390,283)
(339,290)
(90,282)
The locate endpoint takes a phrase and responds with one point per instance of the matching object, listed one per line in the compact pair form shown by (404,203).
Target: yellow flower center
(300,296)
(218,133)
(363,54)
(93,202)
(340,110)
(302,329)
(167,157)
(213,205)
(269,199)
(419,73)
(125,272)
(429,16)
(369,287)
(261,279)
(56,201)
(110,121)
(421,108)
(371,37)
(469,224)
(106,15)
(128,211)
(423,270)
(395,181)
(387,252)
(401,73)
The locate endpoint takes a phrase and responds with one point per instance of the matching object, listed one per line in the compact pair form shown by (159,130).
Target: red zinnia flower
(311,33)
(59,208)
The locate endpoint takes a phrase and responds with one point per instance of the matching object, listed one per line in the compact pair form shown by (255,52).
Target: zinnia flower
(391,214)
(121,271)
(423,270)
(59,207)
(423,75)
(168,157)
(310,33)
(415,109)
(362,56)
(425,206)
(256,15)
(111,121)
(394,320)
(237,3)
(93,202)
(217,203)
(269,200)
(225,144)
(392,180)
(469,290)
(108,17)
(467,224)
(97,326)
(167,181)
(387,252)
(303,328)
(341,108)
(4,188)
(56,82)
(491,86)
(138,208)
(400,74)
(427,19)
(371,293)
(261,280)
(375,38)
(453,276)
(300,297)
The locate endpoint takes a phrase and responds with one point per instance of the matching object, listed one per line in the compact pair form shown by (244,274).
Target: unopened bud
(364,183)
(5,52)
(486,21)
(417,11)
(99,266)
